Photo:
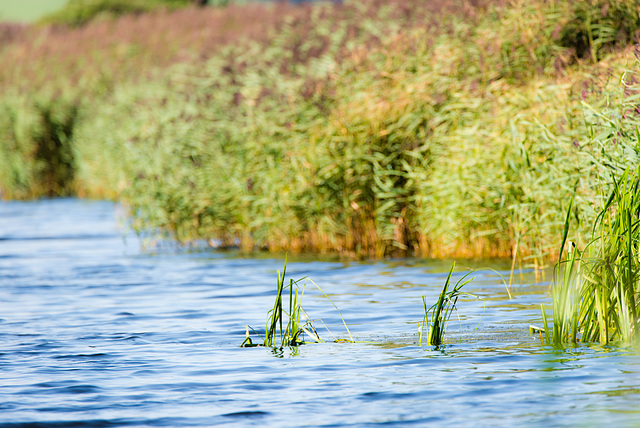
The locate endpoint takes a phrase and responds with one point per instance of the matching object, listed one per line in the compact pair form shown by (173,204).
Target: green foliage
(600,24)
(567,299)
(436,317)
(39,132)
(611,292)
(357,128)
(298,324)
(54,152)
(291,335)
(596,299)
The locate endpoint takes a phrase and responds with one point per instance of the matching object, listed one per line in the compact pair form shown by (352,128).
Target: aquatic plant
(600,290)
(290,326)
(596,286)
(566,291)
(292,333)
(437,315)
(359,168)
(595,298)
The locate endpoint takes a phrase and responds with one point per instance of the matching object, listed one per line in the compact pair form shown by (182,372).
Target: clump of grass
(40,159)
(436,317)
(54,151)
(596,289)
(596,300)
(609,310)
(566,290)
(290,325)
(295,328)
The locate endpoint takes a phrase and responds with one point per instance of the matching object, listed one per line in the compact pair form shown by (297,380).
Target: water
(96,333)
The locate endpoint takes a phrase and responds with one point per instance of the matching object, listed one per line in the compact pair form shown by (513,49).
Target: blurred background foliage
(76,13)
(28,11)
(369,128)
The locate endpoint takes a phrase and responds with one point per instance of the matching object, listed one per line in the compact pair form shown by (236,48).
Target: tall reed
(596,299)
(597,285)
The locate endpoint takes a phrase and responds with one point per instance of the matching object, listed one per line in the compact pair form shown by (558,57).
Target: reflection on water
(94,332)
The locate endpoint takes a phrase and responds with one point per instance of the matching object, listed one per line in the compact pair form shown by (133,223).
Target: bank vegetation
(368,128)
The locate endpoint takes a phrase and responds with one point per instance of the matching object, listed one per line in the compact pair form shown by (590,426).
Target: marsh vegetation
(596,297)
(367,128)
(364,128)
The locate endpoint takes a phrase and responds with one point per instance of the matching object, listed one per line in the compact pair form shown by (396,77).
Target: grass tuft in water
(292,327)
(436,317)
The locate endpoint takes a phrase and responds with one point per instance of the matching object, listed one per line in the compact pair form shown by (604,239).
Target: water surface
(95,332)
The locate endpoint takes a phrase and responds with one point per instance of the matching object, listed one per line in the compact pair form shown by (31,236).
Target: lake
(97,332)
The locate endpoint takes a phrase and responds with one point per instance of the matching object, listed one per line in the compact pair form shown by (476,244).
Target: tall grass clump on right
(596,284)
(596,300)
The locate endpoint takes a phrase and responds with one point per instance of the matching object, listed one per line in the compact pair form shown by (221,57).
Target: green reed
(291,335)
(290,325)
(596,299)
(287,324)
(596,285)
(436,317)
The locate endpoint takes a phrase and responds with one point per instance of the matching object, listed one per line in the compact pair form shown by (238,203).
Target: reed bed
(365,128)
(596,298)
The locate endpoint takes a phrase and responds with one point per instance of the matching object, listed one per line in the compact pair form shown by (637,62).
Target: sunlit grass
(434,323)
(596,297)
(289,325)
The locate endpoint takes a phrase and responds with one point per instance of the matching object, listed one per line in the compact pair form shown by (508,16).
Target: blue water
(96,332)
